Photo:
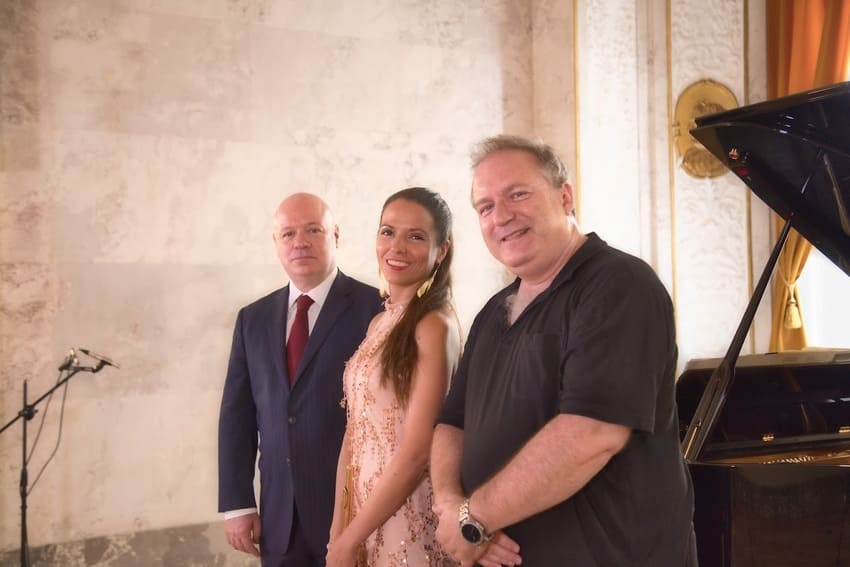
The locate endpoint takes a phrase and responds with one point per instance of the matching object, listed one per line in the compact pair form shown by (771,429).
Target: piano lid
(794,153)
(795,401)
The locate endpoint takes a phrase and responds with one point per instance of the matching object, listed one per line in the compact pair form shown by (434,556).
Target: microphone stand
(27,412)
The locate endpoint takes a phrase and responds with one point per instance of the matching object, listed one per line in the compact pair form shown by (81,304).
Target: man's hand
(501,550)
(243,533)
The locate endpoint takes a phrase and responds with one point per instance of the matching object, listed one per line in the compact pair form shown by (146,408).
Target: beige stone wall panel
(710,215)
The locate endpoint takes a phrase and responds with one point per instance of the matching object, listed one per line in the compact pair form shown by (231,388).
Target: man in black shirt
(558,443)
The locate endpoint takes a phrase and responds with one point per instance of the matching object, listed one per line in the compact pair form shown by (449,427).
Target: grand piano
(767,437)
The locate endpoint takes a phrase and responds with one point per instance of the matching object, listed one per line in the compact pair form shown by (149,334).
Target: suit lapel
(337,302)
(277,334)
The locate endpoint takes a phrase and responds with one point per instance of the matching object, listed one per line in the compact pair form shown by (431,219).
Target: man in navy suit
(293,419)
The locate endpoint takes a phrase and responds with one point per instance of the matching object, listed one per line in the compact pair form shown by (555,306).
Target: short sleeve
(619,347)
(453,409)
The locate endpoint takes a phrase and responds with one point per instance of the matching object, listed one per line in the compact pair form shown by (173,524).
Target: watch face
(471,533)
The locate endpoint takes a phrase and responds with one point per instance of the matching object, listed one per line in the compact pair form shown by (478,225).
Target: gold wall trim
(576,115)
(670,161)
(748,193)
(699,99)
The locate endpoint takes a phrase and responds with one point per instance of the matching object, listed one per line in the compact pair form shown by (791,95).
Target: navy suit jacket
(297,431)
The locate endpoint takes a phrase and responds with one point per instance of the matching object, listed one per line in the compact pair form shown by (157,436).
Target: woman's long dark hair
(400,354)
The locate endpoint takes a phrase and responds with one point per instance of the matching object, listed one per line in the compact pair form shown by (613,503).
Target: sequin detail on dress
(375,420)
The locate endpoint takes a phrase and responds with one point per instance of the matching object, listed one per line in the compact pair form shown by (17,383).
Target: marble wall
(707,238)
(145,143)
(181,546)
(716,222)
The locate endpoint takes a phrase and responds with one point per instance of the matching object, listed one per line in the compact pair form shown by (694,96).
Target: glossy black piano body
(772,485)
(768,440)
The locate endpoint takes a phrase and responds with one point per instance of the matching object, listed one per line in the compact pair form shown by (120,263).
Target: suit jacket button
(291,420)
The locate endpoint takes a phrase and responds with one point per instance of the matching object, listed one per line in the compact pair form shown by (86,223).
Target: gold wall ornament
(699,99)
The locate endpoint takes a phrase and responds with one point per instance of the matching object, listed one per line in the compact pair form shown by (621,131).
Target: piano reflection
(767,438)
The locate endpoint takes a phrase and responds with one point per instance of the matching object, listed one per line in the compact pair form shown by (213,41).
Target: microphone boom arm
(28,411)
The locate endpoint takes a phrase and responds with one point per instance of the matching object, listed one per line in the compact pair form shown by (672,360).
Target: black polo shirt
(599,342)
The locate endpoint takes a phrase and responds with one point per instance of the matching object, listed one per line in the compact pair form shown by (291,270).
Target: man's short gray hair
(550,163)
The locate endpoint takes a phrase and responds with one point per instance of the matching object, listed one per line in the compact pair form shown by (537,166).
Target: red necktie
(298,335)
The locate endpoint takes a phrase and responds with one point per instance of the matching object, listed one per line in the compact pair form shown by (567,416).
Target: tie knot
(304,302)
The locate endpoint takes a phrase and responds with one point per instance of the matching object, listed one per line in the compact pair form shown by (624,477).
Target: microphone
(70,360)
(100,358)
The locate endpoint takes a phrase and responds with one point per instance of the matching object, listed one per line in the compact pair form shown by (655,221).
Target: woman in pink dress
(394,386)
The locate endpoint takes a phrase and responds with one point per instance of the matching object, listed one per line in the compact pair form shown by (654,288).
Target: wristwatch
(472,530)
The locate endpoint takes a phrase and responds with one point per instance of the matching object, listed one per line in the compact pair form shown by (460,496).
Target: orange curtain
(808,46)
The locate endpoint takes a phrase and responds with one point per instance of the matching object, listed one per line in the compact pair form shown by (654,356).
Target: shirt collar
(318,294)
(591,246)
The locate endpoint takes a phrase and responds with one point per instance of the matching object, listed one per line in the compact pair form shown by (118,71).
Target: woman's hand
(341,553)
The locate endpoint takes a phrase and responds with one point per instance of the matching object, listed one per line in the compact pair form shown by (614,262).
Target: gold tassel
(426,285)
(793,319)
(351,472)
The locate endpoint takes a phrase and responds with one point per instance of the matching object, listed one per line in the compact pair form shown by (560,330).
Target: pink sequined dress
(375,421)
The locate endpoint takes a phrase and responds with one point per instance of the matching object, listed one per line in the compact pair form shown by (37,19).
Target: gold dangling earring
(426,285)
(383,286)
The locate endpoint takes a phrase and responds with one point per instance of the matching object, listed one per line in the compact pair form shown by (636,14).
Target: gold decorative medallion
(701,98)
